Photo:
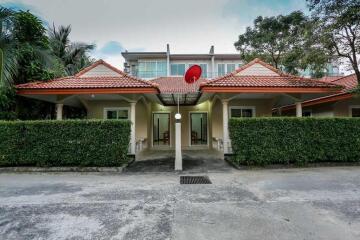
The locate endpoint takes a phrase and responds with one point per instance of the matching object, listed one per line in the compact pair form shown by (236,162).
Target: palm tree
(8,55)
(72,55)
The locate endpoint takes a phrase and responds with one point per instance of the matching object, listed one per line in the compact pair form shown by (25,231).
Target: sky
(189,26)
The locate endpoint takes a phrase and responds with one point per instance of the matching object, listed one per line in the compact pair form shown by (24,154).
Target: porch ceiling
(185,99)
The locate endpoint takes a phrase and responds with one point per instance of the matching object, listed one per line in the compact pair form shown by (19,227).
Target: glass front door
(199,128)
(161,129)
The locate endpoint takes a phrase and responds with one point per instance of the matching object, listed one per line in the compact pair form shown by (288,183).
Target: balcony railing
(156,74)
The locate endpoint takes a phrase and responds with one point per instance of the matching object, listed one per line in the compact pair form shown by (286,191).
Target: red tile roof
(329,78)
(91,82)
(177,85)
(348,82)
(267,81)
(282,80)
(87,82)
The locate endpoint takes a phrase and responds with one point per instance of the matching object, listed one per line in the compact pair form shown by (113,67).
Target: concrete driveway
(318,203)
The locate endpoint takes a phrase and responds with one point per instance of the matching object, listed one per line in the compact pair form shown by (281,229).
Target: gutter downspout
(212,53)
(168,60)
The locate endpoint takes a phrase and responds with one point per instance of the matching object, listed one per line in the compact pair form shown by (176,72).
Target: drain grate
(194,180)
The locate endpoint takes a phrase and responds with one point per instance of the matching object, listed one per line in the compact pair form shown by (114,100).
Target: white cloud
(188,25)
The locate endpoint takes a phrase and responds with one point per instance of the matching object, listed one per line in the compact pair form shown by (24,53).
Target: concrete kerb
(62,169)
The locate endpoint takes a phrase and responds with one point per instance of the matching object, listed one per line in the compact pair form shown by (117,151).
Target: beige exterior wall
(185,121)
(144,117)
(322,110)
(141,116)
(263,107)
(257,69)
(96,108)
(332,109)
(342,108)
(96,111)
(217,119)
(101,70)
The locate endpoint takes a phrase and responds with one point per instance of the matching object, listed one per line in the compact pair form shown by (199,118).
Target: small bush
(263,141)
(64,143)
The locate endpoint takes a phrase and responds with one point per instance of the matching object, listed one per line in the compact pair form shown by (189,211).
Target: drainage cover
(194,180)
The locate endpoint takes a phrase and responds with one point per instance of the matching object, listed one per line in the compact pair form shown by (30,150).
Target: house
(342,104)
(254,89)
(149,65)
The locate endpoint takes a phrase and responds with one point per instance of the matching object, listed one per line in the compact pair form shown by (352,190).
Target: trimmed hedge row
(64,143)
(263,141)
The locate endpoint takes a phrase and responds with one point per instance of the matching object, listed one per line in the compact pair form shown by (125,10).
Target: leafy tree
(283,41)
(73,55)
(8,56)
(339,28)
(8,64)
(34,56)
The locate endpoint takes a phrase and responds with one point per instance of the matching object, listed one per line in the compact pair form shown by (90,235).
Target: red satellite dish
(193,74)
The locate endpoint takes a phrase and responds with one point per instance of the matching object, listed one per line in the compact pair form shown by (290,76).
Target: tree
(284,42)
(8,55)
(339,28)
(34,55)
(73,55)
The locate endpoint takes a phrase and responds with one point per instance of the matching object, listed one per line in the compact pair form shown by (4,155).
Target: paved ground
(193,161)
(319,203)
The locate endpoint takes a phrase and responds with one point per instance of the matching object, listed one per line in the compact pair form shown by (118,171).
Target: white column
(132,134)
(59,111)
(298,109)
(225,126)
(178,154)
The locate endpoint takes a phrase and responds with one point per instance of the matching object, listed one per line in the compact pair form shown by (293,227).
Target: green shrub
(263,141)
(64,143)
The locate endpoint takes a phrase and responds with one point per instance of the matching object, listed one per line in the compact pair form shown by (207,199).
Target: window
(177,69)
(307,113)
(116,113)
(230,67)
(355,111)
(203,69)
(221,69)
(152,69)
(238,112)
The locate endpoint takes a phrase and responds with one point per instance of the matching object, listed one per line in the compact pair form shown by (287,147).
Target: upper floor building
(149,65)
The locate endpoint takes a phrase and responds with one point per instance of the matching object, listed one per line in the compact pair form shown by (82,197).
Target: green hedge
(263,141)
(64,143)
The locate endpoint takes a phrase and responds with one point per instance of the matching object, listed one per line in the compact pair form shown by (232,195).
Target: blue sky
(189,26)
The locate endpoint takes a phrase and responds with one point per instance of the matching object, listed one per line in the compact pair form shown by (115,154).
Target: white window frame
(226,68)
(351,108)
(156,61)
(218,69)
(152,129)
(253,108)
(178,64)
(200,63)
(116,109)
(207,126)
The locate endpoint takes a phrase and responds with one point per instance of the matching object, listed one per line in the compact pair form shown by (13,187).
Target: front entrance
(161,129)
(195,161)
(198,128)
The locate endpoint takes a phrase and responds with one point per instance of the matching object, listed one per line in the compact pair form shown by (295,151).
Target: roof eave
(63,91)
(220,89)
(326,99)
